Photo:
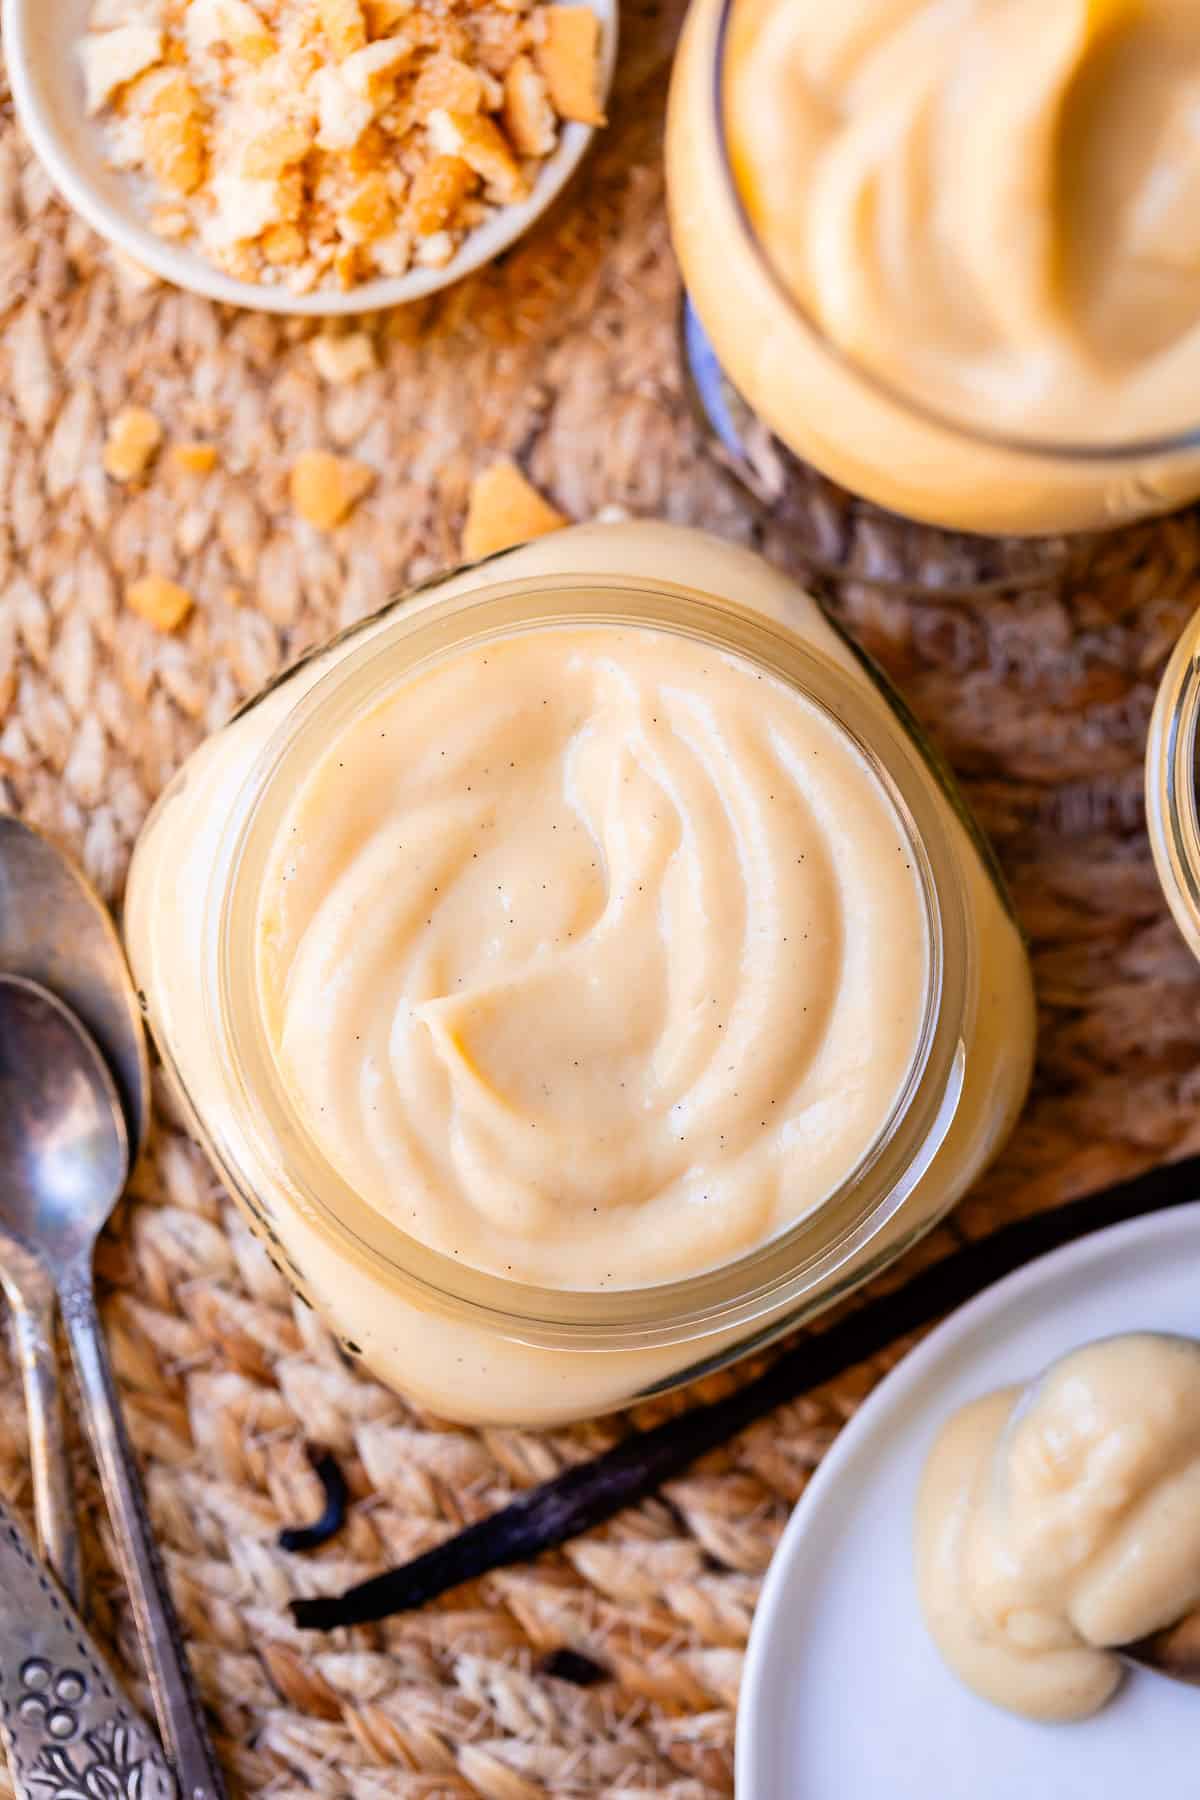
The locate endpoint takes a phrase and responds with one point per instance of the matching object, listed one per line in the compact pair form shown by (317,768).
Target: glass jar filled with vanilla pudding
(580,972)
(947,251)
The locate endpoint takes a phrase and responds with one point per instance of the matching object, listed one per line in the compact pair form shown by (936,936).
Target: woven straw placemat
(565,357)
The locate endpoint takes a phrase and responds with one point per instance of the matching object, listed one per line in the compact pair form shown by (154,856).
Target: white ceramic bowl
(43,68)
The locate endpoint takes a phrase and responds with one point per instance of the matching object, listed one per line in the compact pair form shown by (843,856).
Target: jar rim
(1049,450)
(734,1294)
(1171,776)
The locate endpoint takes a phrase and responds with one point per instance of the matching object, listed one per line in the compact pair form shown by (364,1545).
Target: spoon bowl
(64,1152)
(64,1156)
(55,930)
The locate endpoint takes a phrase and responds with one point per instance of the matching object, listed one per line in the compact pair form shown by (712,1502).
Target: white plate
(47,85)
(845,1697)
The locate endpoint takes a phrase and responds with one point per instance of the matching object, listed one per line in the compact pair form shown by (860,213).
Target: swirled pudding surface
(1057,1521)
(994,205)
(593,956)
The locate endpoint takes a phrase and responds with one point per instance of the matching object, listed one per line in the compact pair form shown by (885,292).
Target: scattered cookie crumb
(133,438)
(567,52)
(325,488)
(345,358)
(193,458)
(504,509)
(162,603)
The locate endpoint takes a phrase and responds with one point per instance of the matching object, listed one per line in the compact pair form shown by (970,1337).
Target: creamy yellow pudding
(372,953)
(1056,1522)
(995,206)
(593,957)
(947,248)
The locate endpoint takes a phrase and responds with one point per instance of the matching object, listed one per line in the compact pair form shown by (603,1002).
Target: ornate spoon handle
(66,1725)
(175,1699)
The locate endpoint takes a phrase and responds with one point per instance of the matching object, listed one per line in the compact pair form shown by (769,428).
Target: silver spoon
(57,931)
(64,1159)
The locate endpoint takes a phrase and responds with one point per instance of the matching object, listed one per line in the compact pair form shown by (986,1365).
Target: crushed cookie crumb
(482,146)
(383,16)
(436,251)
(193,458)
(529,116)
(448,82)
(283,244)
(274,149)
(325,488)
(342,359)
(368,213)
(170,222)
(133,438)
(504,509)
(161,603)
(373,71)
(344,26)
(346,266)
(172,126)
(438,191)
(111,59)
(567,49)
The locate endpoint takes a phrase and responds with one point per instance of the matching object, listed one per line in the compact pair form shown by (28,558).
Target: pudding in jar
(593,956)
(947,249)
(588,973)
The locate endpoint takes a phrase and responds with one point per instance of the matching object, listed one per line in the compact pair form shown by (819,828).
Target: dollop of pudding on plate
(1059,1521)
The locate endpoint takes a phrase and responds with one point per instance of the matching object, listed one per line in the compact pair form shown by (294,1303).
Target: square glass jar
(464,1342)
